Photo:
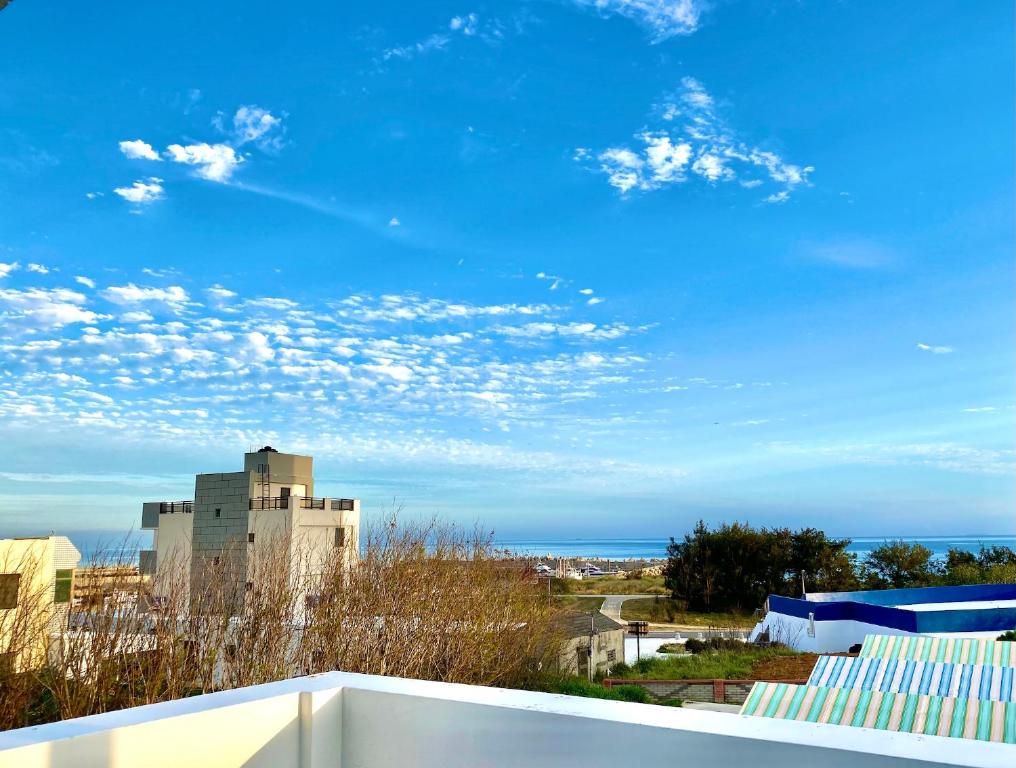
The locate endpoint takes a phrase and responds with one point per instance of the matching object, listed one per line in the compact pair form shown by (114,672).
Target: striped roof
(955,650)
(906,713)
(927,678)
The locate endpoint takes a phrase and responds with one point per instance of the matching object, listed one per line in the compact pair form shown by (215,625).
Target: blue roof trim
(893,597)
(879,608)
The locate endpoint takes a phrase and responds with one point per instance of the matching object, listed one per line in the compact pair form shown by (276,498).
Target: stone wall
(714,691)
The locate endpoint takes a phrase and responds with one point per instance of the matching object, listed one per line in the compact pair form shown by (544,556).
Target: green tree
(897,564)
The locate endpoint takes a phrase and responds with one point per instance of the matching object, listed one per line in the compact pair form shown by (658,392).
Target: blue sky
(566,268)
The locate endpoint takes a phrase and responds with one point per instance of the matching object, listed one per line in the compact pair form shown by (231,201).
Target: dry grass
(425,601)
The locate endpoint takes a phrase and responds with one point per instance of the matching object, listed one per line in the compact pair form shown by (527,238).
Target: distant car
(541,568)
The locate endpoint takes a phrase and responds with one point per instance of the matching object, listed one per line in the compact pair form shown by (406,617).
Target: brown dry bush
(425,600)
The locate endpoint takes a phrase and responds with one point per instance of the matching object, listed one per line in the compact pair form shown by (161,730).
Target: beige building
(237,518)
(36,583)
(593,644)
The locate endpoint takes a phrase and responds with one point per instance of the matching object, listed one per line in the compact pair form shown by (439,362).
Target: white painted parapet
(362,721)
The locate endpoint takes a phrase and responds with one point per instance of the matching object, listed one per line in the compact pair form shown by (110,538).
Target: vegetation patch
(727,665)
(665,610)
(609,585)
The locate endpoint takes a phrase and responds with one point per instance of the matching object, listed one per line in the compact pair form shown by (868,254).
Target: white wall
(362,721)
(831,636)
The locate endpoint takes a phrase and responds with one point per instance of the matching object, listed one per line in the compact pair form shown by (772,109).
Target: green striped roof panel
(906,713)
(952,650)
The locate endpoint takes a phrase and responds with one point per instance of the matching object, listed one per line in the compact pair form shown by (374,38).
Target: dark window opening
(340,537)
(64,578)
(218,511)
(9,585)
(250,538)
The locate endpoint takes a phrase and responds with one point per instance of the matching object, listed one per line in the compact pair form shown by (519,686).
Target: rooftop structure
(835,621)
(270,502)
(338,719)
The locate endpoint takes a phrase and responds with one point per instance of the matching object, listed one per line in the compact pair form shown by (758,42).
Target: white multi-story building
(269,506)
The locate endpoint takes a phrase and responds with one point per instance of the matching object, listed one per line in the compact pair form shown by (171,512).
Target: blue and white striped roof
(894,675)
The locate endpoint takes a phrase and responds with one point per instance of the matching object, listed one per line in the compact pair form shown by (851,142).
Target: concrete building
(593,644)
(823,622)
(268,507)
(36,583)
(339,719)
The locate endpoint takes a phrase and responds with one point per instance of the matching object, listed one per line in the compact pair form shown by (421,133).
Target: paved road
(611,607)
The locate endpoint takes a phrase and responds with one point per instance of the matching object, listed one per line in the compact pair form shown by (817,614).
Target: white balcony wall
(362,721)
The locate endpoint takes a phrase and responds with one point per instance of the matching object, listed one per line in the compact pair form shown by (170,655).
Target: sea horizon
(656,548)
(112,545)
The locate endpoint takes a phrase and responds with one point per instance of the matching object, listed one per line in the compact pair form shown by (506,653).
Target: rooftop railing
(176,507)
(300,502)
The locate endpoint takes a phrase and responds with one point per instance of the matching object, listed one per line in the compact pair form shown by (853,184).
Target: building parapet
(341,719)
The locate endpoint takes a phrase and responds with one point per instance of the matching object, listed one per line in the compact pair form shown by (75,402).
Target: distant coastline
(656,548)
(107,543)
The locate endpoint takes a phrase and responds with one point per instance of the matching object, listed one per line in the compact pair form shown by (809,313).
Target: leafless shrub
(425,600)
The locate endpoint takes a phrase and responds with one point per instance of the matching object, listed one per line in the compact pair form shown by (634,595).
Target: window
(218,511)
(250,537)
(215,560)
(64,578)
(9,584)
(611,656)
(340,537)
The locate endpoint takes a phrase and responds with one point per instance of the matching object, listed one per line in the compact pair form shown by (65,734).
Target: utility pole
(804,592)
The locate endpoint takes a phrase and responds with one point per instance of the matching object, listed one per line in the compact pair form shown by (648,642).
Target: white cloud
(142,192)
(692,138)
(935,350)
(215,162)
(41,269)
(139,150)
(85,281)
(136,317)
(8,267)
(555,281)
(467,25)
(128,294)
(40,308)
(394,222)
(254,124)
(662,18)
(595,300)
(980,409)
(586,291)
(219,293)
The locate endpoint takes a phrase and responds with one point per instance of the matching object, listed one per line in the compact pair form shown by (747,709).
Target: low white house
(825,622)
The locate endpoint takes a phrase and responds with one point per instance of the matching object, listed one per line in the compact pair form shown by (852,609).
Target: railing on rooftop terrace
(174,507)
(301,502)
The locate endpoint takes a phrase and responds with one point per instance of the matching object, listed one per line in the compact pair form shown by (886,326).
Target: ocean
(637,549)
(102,544)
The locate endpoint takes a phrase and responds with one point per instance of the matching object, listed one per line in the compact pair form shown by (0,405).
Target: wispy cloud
(690,140)
(935,349)
(857,253)
(466,25)
(143,192)
(950,456)
(663,19)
